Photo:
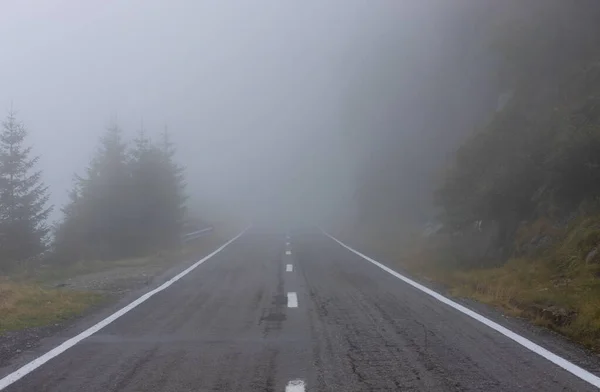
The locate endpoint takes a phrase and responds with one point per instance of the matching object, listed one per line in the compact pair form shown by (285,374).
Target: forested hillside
(410,101)
(539,156)
(498,127)
(515,200)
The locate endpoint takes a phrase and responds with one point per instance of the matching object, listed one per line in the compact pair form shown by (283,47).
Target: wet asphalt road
(226,326)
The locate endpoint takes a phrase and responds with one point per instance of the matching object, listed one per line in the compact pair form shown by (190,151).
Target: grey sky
(253,91)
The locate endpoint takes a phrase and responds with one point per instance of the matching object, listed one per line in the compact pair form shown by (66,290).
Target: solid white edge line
(292,300)
(36,363)
(295,386)
(557,360)
(289,268)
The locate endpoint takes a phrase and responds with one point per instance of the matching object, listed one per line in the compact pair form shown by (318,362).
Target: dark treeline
(501,129)
(128,202)
(411,100)
(538,157)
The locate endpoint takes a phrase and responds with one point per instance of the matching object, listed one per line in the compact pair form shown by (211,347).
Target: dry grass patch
(558,287)
(24,305)
(28,297)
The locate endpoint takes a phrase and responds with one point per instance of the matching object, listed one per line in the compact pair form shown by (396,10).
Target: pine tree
(23,197)
(69,238)
(174,196)
(96,224)
(144,162)
(105,194)
(158,188)
(129,203)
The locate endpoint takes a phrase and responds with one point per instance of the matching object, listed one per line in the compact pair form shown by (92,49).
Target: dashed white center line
(295,386)
(289,268)
(292,300)
(288,252)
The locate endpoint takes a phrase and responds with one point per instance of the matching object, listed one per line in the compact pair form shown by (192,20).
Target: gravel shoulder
(355,327)
(551,340)
(115,283)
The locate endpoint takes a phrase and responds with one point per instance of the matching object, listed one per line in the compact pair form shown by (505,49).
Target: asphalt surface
(226,326)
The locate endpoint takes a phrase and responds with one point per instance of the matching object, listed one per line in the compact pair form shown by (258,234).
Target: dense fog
(277,108)
(454,141)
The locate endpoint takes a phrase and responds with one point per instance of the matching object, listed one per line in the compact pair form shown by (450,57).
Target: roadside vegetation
(557,287)
(47,294)
(125,213)
(518,223)
(533,175)
(24,305)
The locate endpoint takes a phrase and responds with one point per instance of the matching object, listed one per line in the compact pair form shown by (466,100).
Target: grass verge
(569,304)
(24,305)
(558,288)
(29,298)
(157,261)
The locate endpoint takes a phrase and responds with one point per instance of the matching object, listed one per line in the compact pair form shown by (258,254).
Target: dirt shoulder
(553,339)
(555,287)
(42,306)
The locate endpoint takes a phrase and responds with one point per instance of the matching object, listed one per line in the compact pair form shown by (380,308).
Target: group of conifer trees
(129,201)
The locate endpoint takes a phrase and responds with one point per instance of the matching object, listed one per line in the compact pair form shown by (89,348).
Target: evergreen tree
(129,202)
(158,188)
(174,185)
(69,239)
(96,218)
(23,197)
(105,192)
(145,184)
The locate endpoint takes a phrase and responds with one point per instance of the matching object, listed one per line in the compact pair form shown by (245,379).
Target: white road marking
(292,300)
(36,363)
(289,268)
(288,252)
(295,386)
(287,244)
(550,356)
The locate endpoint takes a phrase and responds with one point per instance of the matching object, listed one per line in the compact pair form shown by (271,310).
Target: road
(231,325)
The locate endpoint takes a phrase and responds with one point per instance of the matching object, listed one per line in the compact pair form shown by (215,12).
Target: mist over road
(272,311)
